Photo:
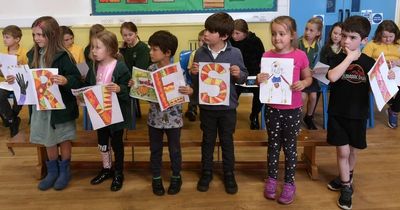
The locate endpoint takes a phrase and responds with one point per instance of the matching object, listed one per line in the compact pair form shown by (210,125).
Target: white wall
(78,12)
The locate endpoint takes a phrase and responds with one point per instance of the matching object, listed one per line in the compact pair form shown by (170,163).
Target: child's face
(311,32)
(281,38)
(129,37)
(336,35)
(9,40)
(201,41)
(238,35)
(388,37)
(213,39)
(68,40)
(38,37)
(352,40)
(157,55)
(99,50)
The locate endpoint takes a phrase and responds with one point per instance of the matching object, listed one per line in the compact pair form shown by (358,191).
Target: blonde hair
(318,22)
(290,25)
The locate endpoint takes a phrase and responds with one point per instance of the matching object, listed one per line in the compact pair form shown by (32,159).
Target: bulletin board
(125,7)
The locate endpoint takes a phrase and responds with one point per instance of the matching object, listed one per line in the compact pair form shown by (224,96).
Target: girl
(252,50)
(309,43)
(386,40)
(96,28)
(54,128)
(332,46)
(104,53)
(68,42)
(283,121)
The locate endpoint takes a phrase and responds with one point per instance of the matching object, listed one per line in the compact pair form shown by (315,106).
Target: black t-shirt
(349,95)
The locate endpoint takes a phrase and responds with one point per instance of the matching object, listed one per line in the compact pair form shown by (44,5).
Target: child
(283,121)
(96,28)
(219,119)
(11,37)
(386,40)
(332,46)
(191,112)
(104,53)
(309,43)
(252,50)
(348,103)
(54,128)
(68,42)
(163,46)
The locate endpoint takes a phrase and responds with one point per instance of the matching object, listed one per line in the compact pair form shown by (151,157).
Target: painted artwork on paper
(142,87)
(23,86)
(47,93)
(78,93)
(383,88)
(103,106)
(5,62)
(276,89)
(166,82)
(214,83)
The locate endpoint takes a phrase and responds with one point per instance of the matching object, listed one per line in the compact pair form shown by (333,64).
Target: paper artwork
(5,62)
(78,93)
(142,87)
(24,88)
(103,106)
(47,93)
(383,88)
(214,83)
(83,68)
(166,82)
(397,72)
(276,89)
(319,72)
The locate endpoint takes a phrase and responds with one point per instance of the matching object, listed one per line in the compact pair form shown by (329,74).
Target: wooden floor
(376,182)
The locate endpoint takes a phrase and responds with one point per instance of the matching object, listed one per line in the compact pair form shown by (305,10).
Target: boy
(11,37)
(348,104)
(219,118)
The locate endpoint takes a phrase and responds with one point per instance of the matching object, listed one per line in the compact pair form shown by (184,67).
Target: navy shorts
(343,131)
(314,87)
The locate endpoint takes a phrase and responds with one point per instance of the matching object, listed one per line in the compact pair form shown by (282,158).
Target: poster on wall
(214,83)
(276,89)
(24,90)
(47,93)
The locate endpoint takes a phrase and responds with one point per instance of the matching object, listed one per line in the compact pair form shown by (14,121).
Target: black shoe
(309,121)
(5,122)
(117,181)
(230,183)
(104,174)
(344,201)
(335,184)
(175,185)
(254,124)
(158,187)
(14,126)
(191,116)
(204,181)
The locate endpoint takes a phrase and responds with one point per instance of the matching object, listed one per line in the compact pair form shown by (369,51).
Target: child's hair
(51,31)
(357,24)
(12,30)
(290,25)
(329,41)
(165,41)
(96,28)
(241,25)
(318,23)
(389,26)
(66,30)
(220,22)
(201,33)
(131,27)
(110,41)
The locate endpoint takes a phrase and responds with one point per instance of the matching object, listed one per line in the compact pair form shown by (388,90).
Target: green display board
(125,7)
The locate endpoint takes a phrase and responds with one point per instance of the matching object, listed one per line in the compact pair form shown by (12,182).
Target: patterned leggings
(283,127)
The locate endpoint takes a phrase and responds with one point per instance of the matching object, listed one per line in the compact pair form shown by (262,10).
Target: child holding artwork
(54,128)
(68,42)
(219,119)
(332,46)
(11,37)
(163,46)
(309,43)
(94,29)
(386,40)
(109,71)
(283,121)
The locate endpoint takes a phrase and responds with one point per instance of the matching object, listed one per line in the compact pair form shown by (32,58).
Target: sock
(346,183)
(107,161)
(158,177)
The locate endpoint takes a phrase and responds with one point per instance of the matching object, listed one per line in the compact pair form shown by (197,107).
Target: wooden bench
(309,140)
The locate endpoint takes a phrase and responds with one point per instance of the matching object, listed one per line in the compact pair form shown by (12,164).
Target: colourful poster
(23,86)
(47,93)
(142,87)
(166,82)
(103,106)
(214,83)
(383,88)
(276,89)
(78,93)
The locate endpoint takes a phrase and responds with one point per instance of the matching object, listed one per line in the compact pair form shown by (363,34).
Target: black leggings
(103,136)
(395,102)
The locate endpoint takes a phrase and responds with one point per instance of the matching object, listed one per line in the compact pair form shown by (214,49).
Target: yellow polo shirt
(391,51)
(77,53)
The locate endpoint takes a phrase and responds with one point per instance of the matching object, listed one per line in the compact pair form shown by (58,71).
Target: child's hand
(186,90)
(195,68)
(298,86)
(131,83)
(10,79)
(113,87)
(59,79)
(391,75)
(235,71)
(353,54)
(262,77)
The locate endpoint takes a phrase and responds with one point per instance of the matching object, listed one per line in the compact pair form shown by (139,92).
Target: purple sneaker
(270,188)
(288,193)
